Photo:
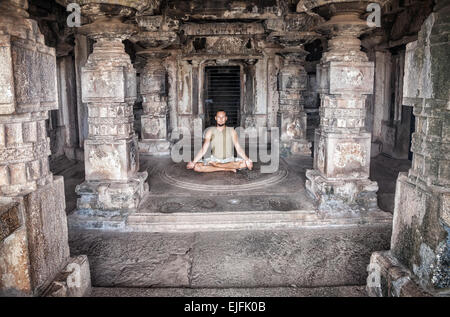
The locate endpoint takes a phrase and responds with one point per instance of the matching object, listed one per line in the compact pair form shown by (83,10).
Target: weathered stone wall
(421,227)
(421,217)
(33,254)
(33,238)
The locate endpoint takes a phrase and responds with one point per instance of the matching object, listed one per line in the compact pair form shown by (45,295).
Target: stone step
(244,220)
(307,256)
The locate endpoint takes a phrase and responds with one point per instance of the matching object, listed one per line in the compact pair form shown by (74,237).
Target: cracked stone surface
(305,258)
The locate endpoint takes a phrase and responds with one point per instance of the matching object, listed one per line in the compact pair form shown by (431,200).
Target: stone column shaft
(340,178)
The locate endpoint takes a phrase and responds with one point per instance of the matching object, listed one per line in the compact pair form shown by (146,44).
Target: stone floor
(321,258)
(341,291)
(383,169)
(305,257)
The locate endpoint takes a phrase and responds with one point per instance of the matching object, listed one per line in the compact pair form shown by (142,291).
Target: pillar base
(154,147)
(113,195)
(342,195)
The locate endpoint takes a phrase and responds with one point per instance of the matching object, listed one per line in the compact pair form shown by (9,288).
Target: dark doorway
(222,91)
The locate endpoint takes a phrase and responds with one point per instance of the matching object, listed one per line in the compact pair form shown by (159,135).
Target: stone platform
(194,230)
(182,200)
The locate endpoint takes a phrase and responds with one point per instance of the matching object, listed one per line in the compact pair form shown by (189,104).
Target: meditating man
(221,138)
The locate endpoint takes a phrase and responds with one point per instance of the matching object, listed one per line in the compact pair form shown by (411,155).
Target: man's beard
(221,125)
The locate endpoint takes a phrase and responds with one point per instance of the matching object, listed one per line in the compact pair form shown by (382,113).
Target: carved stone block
(292,125)
(103,85)
(111,160)
(34,253)
(344,156)
(154,127)
(345,78)
(292,78)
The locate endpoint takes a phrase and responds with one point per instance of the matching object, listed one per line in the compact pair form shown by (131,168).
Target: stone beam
(221,28)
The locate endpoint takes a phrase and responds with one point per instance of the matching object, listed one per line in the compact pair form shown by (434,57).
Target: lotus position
(222,139)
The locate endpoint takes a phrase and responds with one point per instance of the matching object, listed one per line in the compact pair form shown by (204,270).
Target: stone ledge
(247,220)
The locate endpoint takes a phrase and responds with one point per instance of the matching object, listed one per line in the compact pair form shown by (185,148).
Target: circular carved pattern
(244,180)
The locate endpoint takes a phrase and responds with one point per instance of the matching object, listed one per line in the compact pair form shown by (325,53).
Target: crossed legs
(222,167)
(234,165)
(199,167)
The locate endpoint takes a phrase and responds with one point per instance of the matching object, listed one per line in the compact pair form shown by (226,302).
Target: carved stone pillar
(154,121)
(109,88)
(292,82)
(156,33)
(340,178)
(33,226)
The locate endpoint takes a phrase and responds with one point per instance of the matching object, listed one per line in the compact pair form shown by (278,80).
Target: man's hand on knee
(190,165)
(249,164)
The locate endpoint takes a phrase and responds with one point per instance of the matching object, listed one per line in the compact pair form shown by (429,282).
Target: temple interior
(343,106)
